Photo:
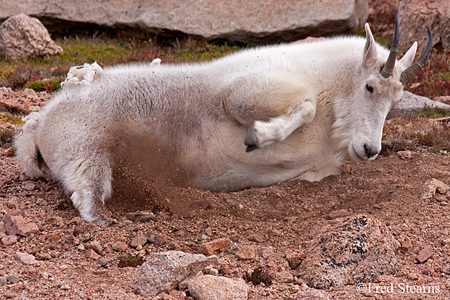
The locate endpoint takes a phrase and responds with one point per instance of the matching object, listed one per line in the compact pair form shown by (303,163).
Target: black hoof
(251,141)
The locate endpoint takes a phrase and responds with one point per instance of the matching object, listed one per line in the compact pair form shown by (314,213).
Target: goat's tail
(27,151)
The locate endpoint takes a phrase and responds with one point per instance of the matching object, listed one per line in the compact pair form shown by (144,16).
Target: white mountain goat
(251,119)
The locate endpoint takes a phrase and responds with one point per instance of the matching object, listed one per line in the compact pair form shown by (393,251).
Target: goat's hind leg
(91,185)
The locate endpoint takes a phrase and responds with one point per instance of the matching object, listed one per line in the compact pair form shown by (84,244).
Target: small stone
(64,287)
(9,240)
(92,254)
(431,186)
(445,268)
(210,270)
(275,231)
(119,246)
(2,280)
(160,240)
(95,245)
(446,242)
(151,239)
(213,287)
(28,185)
(11,204)
(283,277)
(405,154)
(58,221)
(341,213)
(424,255)
(12,279)
(103,262)
(70,239)
(54,236)
(2,227)
(256,237)
(246,253)
(183,285)
(26,259)
(43,256)
(312,294)
(138,240)
(16,224)
(141,216)
(295,258)
(163,271)
(215,246)
(406,243)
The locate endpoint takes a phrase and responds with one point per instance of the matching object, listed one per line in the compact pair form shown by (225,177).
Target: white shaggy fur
(302,108)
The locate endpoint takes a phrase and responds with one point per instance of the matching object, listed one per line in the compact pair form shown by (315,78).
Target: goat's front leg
(264,133)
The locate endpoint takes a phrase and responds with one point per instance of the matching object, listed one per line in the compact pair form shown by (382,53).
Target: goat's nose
(370,152)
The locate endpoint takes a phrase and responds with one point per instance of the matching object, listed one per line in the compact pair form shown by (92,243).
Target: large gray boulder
(359,249)
(254,22)
(415,15)
(163,271)
(22,36)
(411,105)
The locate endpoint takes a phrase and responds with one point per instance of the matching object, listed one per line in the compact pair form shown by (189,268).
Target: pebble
(16,224)
(103,262)
(2,280)
(138,240)
(160,240)
(119,246)
(405,154)
(141,216)
(215,246)
(9,240)
(26,259)
(54,236)
(213,287)
(92,254)
(406,243)
(295,258)
(338,214)
(95,245)
(424,255)
(246,253)
(12,279)
(210,270)
(256,237)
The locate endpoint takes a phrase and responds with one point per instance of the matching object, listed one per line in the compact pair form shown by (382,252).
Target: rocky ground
(380,230)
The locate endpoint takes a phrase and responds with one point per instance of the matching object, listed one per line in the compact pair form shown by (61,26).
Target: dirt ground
(285,216)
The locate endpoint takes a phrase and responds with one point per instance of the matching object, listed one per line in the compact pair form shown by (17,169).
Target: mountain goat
(251,119)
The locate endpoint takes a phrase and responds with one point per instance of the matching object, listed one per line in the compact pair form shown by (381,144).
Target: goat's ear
(408,58)
(370,49)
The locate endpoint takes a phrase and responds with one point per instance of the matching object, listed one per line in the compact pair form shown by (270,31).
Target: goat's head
(379,88)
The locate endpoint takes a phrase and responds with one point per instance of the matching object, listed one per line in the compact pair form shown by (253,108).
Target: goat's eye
(369,88)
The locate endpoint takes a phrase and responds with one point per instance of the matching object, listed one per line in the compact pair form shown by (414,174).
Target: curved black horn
(412,70)
(386,72)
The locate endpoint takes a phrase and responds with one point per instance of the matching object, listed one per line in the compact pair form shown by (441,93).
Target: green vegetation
(10,118)
(46,73)
(130,261)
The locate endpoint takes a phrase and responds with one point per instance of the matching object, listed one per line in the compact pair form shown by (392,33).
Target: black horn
(412,70)
(386,72)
